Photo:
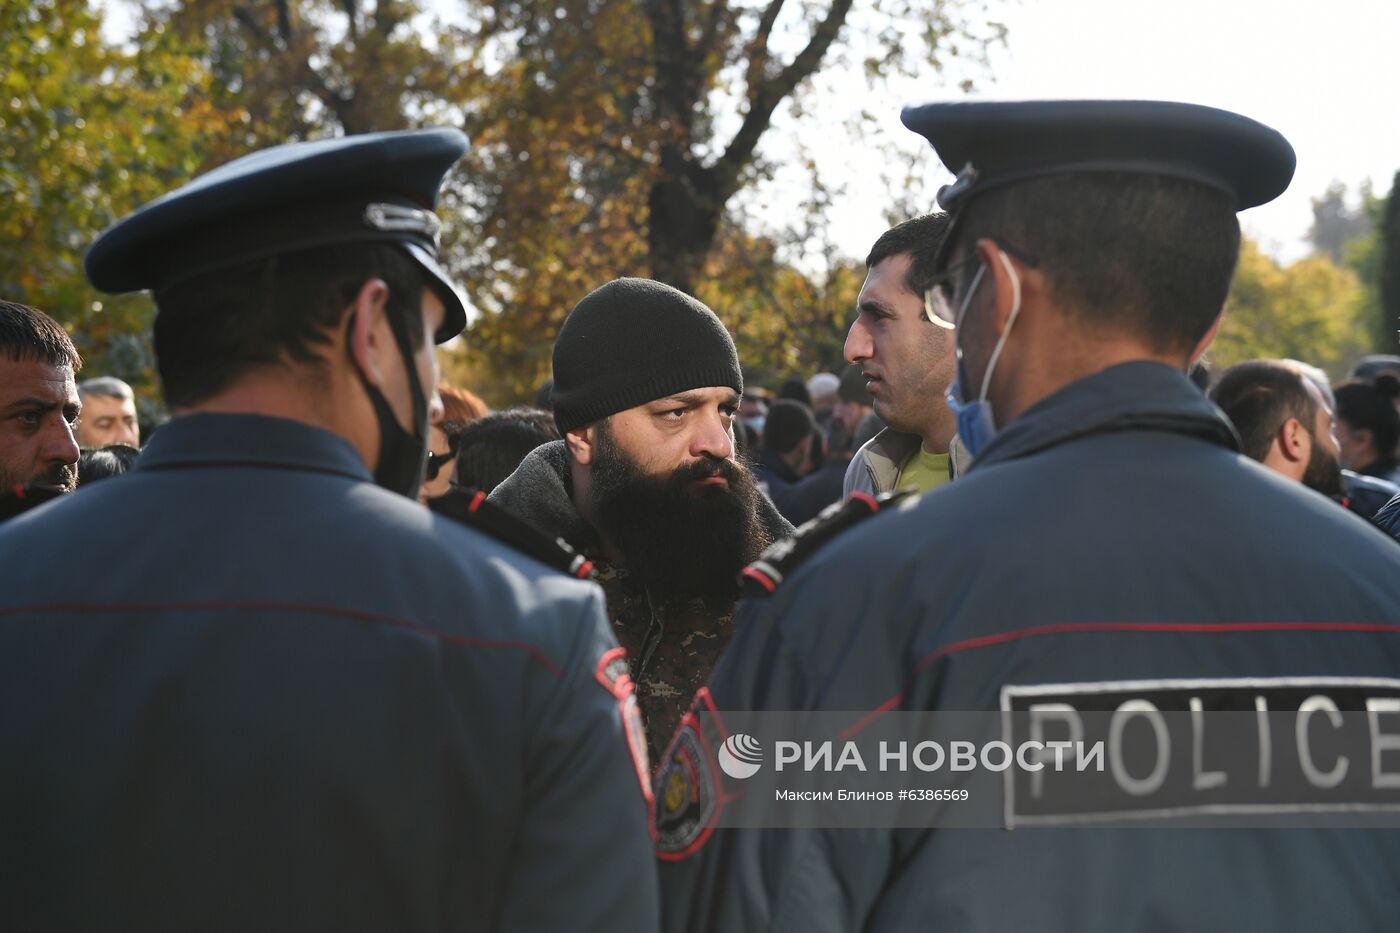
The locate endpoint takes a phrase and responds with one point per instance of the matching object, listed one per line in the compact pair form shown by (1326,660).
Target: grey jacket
(279,697)
(876,466)
(1111,535)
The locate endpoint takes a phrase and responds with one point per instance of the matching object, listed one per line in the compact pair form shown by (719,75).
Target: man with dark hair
(109,413)
(297,699)
(907,358)
(459,409)
(39,401)
(1364,495)
(783,453)
(1108,550)
(491,448)
(646,483)
(1283,422)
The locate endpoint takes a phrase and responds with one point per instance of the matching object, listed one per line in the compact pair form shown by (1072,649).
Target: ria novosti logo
(740,756)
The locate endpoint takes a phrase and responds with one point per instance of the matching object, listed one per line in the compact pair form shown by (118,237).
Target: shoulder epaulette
(765,575)
(469,506)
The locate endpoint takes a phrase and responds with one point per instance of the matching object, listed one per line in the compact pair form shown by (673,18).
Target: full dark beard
(681,541)
(1323,473)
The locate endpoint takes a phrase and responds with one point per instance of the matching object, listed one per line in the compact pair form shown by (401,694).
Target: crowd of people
(360,653)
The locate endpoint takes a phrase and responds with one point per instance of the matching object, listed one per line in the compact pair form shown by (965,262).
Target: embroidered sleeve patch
(689,791)
(614,675)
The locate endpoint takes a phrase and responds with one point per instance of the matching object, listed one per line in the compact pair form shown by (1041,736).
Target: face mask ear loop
(1010,320)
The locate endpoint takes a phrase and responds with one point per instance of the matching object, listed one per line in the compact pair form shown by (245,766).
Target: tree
(1311,311)
(612,136)
(1388,271)
(1363,257)
(1336,223)
(309,68)
(89,133)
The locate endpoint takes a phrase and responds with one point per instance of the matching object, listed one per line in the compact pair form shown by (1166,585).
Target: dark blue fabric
(1117,499)
(1001,142)
(1367,495)
(243,688)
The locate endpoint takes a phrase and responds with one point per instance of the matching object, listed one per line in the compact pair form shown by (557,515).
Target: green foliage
(87,134)
(1387,266)
(784,323)
(1311,311)
(1363,257)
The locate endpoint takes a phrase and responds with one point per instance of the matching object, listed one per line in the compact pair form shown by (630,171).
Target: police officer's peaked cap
(992,144)
(378,187)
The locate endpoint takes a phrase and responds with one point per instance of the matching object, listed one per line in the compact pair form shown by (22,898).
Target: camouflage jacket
(671,648)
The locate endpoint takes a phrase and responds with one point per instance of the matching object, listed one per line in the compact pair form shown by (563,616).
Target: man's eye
(30,418)
(729,411)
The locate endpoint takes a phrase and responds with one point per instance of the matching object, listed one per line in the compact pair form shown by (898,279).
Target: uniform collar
(250,441)
(1140,395)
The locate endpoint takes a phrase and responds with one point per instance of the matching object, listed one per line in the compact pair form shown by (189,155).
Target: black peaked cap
(990,144)
(376,187)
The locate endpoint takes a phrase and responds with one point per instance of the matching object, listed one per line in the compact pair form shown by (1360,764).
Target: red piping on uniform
(762,578)
(360,614)
(868,499)
(584,570)
(1065,628)
(477,499)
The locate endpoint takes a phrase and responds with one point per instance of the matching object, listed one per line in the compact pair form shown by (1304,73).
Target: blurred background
(748,151)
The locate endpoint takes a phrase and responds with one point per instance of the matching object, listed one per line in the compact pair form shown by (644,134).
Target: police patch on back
(1224,750)
(765,575)
(470,508)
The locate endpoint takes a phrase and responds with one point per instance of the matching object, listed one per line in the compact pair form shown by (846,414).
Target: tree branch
(284,22)
(710,36)
(248,22)
(758,48)
(765,96)
(351,8)
(671,62)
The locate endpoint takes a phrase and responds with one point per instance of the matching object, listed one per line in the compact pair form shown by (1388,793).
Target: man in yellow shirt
(907,359)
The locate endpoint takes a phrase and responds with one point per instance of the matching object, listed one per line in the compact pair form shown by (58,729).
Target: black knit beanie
(633,341)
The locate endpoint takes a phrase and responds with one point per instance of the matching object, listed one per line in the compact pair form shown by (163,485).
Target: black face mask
(403,457)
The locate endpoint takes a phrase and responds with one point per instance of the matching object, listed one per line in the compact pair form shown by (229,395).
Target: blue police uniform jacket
(244,688)
(1110,540)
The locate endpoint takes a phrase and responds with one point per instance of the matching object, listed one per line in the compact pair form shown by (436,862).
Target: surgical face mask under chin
(975,421)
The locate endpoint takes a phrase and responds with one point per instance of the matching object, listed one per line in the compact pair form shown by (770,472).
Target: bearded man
(1284,422)
(39,401)
(646,482)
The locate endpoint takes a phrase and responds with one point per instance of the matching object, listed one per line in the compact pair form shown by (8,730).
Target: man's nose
(713,438)
(59,445)
(858,343)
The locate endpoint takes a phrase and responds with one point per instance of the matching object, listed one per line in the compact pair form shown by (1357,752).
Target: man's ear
(582,443)
(1010,280)
(369,333)
(1294,441)
(1206,341)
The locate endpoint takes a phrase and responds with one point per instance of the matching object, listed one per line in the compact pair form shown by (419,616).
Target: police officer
(295,699)
(1108,542)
